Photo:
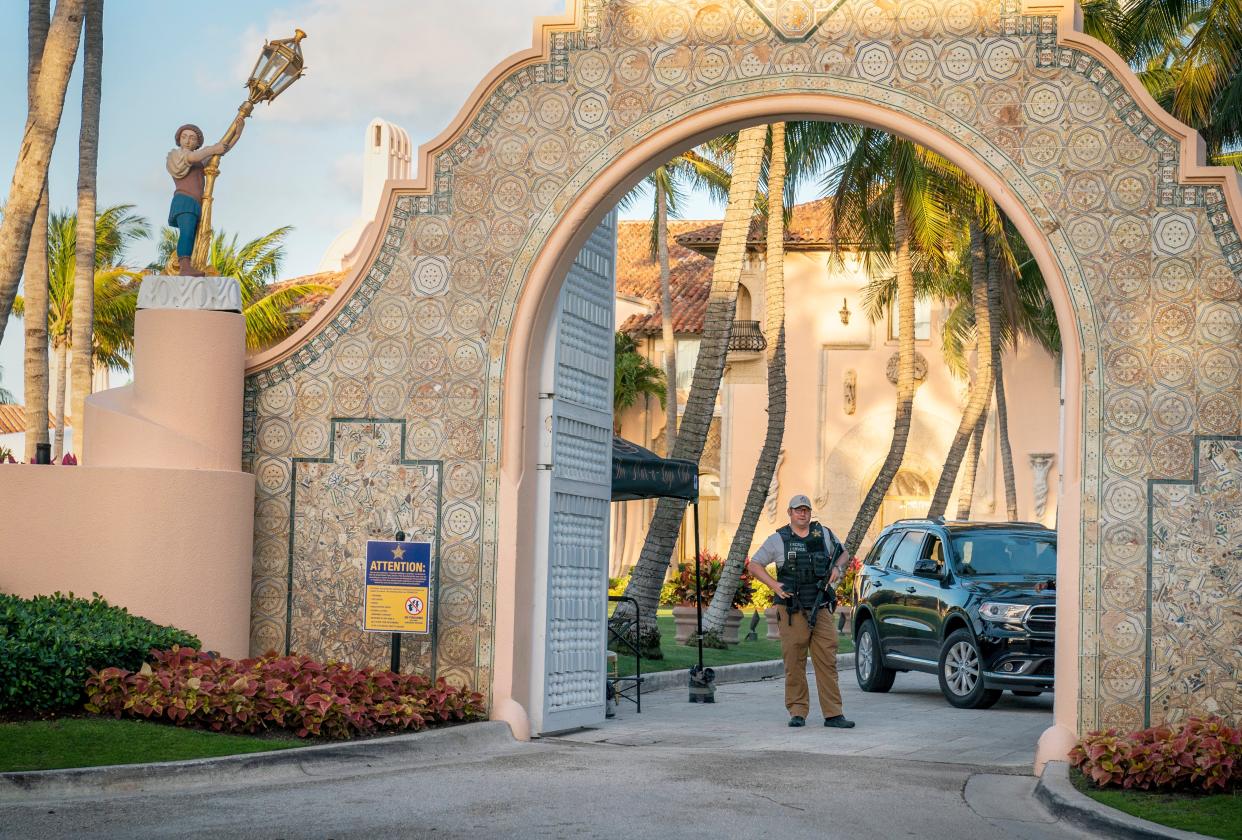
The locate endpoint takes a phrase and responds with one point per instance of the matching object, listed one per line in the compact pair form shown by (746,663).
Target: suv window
(908,552)
(878,551)
(991,553)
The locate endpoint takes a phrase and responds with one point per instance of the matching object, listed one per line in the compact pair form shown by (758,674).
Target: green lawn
(1216,815)
(91,742)
(678,656)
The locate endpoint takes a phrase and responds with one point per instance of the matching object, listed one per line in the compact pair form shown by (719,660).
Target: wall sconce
(844,311)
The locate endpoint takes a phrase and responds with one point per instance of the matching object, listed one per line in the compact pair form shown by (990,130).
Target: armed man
(809,560)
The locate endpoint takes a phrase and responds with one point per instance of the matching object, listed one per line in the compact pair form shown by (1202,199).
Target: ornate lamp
(844,311)
(279,66)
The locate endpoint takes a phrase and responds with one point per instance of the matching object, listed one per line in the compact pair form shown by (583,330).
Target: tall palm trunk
(34,273)
(62,363)
(35,151)
(648,574)
(84,261)
(666,317)
(905,380)
(981,391)
(774,333)
(970,469)
(1002,414)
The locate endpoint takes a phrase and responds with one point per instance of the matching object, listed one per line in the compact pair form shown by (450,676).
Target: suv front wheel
(961,673)
(869,664)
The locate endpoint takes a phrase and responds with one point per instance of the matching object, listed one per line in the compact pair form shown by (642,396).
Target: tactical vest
(806,564)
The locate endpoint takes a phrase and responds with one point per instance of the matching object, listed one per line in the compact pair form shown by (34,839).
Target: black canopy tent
(639,473)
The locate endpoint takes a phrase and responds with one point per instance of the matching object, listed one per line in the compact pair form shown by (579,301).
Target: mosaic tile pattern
(1152,266)
(1196,551)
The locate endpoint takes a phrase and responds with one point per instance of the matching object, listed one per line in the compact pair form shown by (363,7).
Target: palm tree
(34,272)
(115,295)
(30,175)
(633,376)
(88,165)
(648,574)
(774,334)
(256,266)
(887,198)
(668,183)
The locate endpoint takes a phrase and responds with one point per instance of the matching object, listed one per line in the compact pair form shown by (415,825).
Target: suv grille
(1042,619)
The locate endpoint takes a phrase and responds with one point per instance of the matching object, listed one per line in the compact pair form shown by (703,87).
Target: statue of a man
(185,165)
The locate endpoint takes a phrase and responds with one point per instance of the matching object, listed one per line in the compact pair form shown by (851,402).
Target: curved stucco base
(173,546)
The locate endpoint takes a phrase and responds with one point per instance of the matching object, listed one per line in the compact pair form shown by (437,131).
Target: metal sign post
(397,590)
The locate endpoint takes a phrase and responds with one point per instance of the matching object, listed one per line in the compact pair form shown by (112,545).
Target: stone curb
(741,672)
(1058,794)
(269,767)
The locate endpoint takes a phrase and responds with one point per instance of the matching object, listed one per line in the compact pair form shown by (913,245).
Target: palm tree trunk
(981,391)
(84,260)
(774,332)
(666,318)
(35,372)
(905,380)
(648,574)
(30,173)
(34,272)
(1002,414)
(970,469)
(62,362)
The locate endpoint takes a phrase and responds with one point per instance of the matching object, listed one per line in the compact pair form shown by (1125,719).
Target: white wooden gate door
(581,472)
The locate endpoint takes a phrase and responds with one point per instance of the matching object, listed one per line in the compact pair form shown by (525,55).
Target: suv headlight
(1003,613)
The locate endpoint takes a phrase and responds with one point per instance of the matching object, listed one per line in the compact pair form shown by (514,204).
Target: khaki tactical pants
(795,639)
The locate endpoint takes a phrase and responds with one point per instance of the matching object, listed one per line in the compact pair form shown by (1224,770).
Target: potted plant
(845,591)
(768,599)
(685,612)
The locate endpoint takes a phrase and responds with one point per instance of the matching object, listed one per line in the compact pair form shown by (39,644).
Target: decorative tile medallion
(1152,267)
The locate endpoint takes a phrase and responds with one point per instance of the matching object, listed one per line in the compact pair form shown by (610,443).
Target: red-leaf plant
(1203,754)
(295,693)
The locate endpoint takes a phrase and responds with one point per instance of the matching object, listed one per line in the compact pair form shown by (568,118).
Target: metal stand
(394,663)
(702,680)
(622,686)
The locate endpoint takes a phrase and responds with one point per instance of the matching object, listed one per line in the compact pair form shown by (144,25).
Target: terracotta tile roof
(808,228)
(13,419)
(638,275)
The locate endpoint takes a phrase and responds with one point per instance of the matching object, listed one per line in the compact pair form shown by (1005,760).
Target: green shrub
(293,693)
(49,644)
(617,585)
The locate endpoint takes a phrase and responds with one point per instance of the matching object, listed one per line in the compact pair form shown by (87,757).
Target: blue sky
(299,163)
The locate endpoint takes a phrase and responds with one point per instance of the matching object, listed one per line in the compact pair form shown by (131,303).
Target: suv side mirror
(927,568)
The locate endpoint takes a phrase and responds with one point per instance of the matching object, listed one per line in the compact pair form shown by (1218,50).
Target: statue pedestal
(160,517)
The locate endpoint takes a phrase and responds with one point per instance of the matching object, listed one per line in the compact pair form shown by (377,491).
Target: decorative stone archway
(418,370)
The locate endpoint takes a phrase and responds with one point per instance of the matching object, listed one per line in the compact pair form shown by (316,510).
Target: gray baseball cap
(799,501)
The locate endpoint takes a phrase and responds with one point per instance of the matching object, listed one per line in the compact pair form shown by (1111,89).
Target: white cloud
(410,62)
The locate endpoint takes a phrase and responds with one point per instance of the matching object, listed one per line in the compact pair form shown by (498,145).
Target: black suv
(960,600)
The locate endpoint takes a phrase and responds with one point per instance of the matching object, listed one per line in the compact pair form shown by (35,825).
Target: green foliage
(617,585)
(50,643)
(293,693)
(845,586)
(633,376)
(680,590)
(1200,754)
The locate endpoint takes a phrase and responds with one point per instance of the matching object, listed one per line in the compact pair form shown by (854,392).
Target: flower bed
(1199,755)
(293,693)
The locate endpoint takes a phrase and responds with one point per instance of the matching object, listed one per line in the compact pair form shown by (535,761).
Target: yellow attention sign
(397,589)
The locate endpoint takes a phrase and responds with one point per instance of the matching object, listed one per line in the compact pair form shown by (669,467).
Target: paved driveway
(912,722)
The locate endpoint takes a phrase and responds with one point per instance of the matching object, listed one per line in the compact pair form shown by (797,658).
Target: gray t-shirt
(773,549)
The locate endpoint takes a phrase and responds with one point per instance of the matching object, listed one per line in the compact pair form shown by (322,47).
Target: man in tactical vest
(808,560)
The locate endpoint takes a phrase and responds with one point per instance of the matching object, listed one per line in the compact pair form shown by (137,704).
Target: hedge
(50,643)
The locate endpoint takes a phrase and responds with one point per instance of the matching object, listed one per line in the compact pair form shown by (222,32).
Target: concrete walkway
(912,722)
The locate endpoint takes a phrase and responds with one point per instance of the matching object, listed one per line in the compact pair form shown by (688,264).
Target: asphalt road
(914,767)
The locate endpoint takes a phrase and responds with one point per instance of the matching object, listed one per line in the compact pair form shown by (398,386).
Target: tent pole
(698,591)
